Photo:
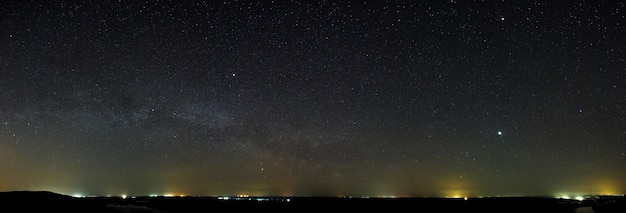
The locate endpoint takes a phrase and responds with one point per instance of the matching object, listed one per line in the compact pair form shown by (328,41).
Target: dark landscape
(43,201)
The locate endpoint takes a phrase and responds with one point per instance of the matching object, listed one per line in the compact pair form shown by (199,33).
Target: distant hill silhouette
(45,201)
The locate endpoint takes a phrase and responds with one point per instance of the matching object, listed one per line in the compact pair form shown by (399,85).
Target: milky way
(349,98)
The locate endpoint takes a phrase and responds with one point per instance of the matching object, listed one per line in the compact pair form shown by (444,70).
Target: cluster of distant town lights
(237,197)
(285,199)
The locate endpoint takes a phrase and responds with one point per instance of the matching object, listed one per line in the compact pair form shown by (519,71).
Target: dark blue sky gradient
(331,98)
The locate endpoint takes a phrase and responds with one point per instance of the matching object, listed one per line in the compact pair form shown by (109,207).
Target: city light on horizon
(456,194)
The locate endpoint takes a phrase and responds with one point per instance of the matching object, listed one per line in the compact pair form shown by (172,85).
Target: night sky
(313,98)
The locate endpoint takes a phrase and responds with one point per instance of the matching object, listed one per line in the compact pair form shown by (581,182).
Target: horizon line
(244,196)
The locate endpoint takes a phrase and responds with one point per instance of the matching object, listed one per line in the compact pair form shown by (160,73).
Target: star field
(346,98)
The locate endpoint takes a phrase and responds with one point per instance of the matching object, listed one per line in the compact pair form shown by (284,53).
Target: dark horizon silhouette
(54,202)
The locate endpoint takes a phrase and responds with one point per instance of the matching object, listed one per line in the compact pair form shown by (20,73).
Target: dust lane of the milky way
(321,98)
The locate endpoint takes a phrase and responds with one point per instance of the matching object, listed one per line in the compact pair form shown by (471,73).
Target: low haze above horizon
(313,98)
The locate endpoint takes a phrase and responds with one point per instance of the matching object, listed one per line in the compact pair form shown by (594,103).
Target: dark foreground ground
(26,201)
